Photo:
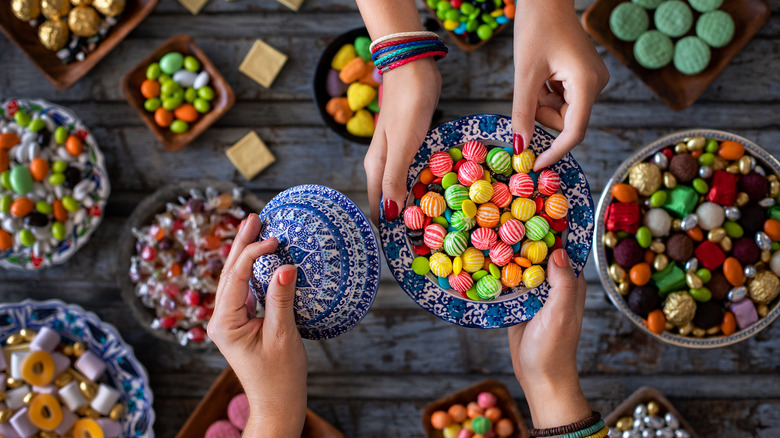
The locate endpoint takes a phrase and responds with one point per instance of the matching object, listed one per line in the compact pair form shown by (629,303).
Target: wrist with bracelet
(591,427)
(394,50)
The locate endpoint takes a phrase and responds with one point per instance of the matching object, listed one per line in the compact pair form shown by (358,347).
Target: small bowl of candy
(347,86)
(173,247)
(648,410)
(65,372)
(178,92)
(485,409)
(471,23)
(688,238)
(53,184)
(472,243)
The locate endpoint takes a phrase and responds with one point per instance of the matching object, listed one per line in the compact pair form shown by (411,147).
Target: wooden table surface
(374,381)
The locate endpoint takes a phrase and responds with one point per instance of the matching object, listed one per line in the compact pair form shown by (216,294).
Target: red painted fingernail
(561,258)
(517,143)
(391,210)
(287,277)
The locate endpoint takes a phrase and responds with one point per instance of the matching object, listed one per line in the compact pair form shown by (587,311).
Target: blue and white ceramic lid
(330,240)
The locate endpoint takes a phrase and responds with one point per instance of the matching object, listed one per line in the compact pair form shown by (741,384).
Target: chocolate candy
(684,167)
(756,186)
(623,217)
(746,251)
(708,315)
(682,201)
(643,299)
(711,215)
(679,308)
(679,248)
(628,252)
(752,218)
(718,285)
(658,221)
(764,287)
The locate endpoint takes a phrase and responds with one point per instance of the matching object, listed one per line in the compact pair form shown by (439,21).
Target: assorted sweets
(52,185)
(53,387)
(354,85)
(473,21)
(238,415)
(479,418)
(483,222)
(179,257)
(72,28)
(177,91)
(672,31)
(648,419)
(693,238)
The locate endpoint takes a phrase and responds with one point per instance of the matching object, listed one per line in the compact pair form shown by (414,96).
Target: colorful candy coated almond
(731,150)
(625,193)
(656,321)
(732,269)
(21,207)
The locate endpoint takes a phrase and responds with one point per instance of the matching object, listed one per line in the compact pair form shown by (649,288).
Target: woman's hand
(267,354)
(544,350)
(552,48)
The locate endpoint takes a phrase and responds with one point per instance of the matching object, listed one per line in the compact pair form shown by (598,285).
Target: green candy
(494,271)
(622,235)
(653,50)
(455,195)
(456,242)
(691,55)
(449,180)
(701,294)
(700,185)
(452,15)
(733,229)
(191,63)
(499,161)
(648,4)
(716,28)
(472,25)
(432,3)
(682,201)
(374,105)
(362,44)
(57,179)
(673,18)
(705,5)
(172,62)
(171,103)
(59,166)
(164,78)
(36,125)
(420,265)
(169,88)
(775,246)
(479,274)
(153,72)
(58,230)
(644,237)
(484,32)
(536,228)
(5,180)
(5,203)
(456,153)
(21,180)
(26,237)
(712,146)
(627,21)
(488,287)
(206,92)
(472,294)
(774,212)
(481,425)
(60,135)
(443,6)
(549,238)
(179,126)
(22,118)
(70,204)
(658,199)
(461,222)
(190,94)
(704,274)
(670,279)
(706,159)
(152,104)
(466,8)
(43,207)
(201,106)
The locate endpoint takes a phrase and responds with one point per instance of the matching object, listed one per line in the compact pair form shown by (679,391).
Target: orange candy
(440,420)
(74,146)
(771,228)
(59,211)
(732,270)
(174,271)
(457,413)
(22,207)
(493,414)
(8,140)
(488,215)
(427,176)
(624,193)
(524,262)
(486,266)
(656,321)
(504,427)
(353,71)
(150,88)
(729,324)
(649,256)
(3,160)
(473,410)
(186,112)
(338,108)
(368,78)
(640,274)
(731,150)
(163,117)
(697,154)
(696,233)
(39,168)
(511,274)
(212,242)
(509,11)
(6,241)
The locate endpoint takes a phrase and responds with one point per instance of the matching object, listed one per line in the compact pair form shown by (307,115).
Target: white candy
(72,397)
(711,215)
(11,224)
(17,359)
(774,263)
(83,188)
(33,150)
(29,137)
(658,221)
(185,78)
(201,80)
(105,399)
(14,398)
(63,154)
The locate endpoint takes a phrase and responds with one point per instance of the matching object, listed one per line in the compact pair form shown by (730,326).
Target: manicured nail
(287,277)
(391,210)
(517,143)
(561,259)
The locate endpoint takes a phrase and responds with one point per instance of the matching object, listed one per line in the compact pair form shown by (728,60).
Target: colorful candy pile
(355,88)
(480,418)
(238,415)
(482,221)
(648,420)
(694,238)
(179,258)
(473,20)
(177,91)
(55,388)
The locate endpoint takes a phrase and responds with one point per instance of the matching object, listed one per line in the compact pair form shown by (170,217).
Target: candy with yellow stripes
(523,209)
(473,260)
(481,191)
(524,161)
(534,251)
(533,276)
(440,264)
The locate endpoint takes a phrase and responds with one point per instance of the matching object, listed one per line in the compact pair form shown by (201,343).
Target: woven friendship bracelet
(571,430)
(403,41)
(393,48)
(387,60)
(439,54)
(392,36)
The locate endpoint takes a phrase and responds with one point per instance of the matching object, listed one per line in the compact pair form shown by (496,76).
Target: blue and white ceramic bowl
(74,324)
(330,240)
(519,304)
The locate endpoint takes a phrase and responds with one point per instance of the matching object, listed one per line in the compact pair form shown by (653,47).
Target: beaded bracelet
(583,433)
(380,53)
(600,434)
(409,51)
(438,54)
(587,423)
(392,36)
(403,41)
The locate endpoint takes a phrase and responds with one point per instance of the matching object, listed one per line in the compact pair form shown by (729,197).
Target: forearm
(277,425)
(384,17)
(556,403)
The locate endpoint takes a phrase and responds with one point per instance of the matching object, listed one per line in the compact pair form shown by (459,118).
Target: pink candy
(414,218)
(521,184)
(440,163)
(461,282)
(483,238)
(434,236)
(486,400)
(469,172)
(511,231)
(501,253)
(501,195)
(549,182)
(222,429)
(238,411)
(475,151)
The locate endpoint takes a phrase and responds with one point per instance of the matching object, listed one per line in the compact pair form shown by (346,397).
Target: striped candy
(524,161)
(536,228)
(548,182)
(469,172)
(535,252)
(455,195)
(461,222)
(456,242)
(481,191)
(501,195)
(511,231)
(533,276)
(473,260)
(440,163)
(475,151)
(488,287)
(461,282)
(433,204)
(414,218)
(434,236)
(556,206)
(483,238)
(440,264)
(499,161)
(488,215)
(501,253)
(521,184)
(523,208)
(511,275)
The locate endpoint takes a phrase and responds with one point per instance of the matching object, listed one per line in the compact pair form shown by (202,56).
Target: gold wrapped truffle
(109,8)
(83,21)
(679,308)
(55,9)
(764,287)
(645,178)
(81,2)
(53,34)
(26,10)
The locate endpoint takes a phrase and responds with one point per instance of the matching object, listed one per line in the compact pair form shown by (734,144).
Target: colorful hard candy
(524,161)
(521,184)
(455,243)
(483,238)
(440,163)
(533,276)
(462,222)
(414,218)
(499,161)
(502,197)
(461,282)
(523,209)
(433,204)
(556,206)
(488,215)
(511,275)
(455,195)
(480,191)
(440,264)
(548,182)
(511,231)
(488,288)
(469,172)
(501,253)
(535,252)
(536,228)
(473,260)
(434,236)
(475,150)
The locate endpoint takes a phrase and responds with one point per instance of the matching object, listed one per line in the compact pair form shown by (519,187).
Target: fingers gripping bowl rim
(518,305)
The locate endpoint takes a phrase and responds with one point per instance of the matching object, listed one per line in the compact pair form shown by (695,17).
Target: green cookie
(653,49)
(674,18)
(691,55)
(705,5)
(362,44)
(627,21)
(716,28)
(648,4)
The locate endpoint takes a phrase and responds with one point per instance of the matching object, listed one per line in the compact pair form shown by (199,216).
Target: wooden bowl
(222,102)
(214,406)
(644,395)
(61,75)
(676,89)
(506,403)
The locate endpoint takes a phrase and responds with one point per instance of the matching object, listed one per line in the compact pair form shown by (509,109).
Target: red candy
(414,218)
(434,236)
(710,255)
(461,282)
(521,184)
(422,250)
(549,182)
(723,189)
(560,225)
(539,203)
(419,190)
(623,217)
(558,244)
(501,195)
(501,253)
(483,238)
(512,231)
(469,172)
(475,151)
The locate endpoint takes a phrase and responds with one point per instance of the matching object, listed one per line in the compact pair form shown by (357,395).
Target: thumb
(525,102)
(562,299)
(279,300)
(399,158)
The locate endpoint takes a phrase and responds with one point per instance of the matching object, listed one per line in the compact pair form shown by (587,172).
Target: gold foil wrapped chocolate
(54,9)
(83,21)
(679,308)
(764,287)
(81,2)
(645,178)
(26,10)
(109,8)
(53,34)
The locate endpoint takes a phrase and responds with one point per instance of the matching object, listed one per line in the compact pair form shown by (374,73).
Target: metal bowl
(766,159)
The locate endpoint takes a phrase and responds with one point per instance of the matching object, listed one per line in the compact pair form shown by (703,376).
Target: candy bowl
(77,367)
(53,184)
(421,232)
(197,93)
(473,23)
(654,412)
(172,251)
(687,238)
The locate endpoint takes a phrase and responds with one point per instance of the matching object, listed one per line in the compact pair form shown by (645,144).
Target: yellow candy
(533,276)
(440,264)
(473,260)
(487,175)
(524,162)
(523,209)
(505,217)
(535,251)
(452,430)
(345,54)
(556,206)
(361,124)
(469,208)
(359,95)
(481,191)
(450,24)
(87,427)
(433,204)
(457,265)
(511,274)
(38,368)
(45,412)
